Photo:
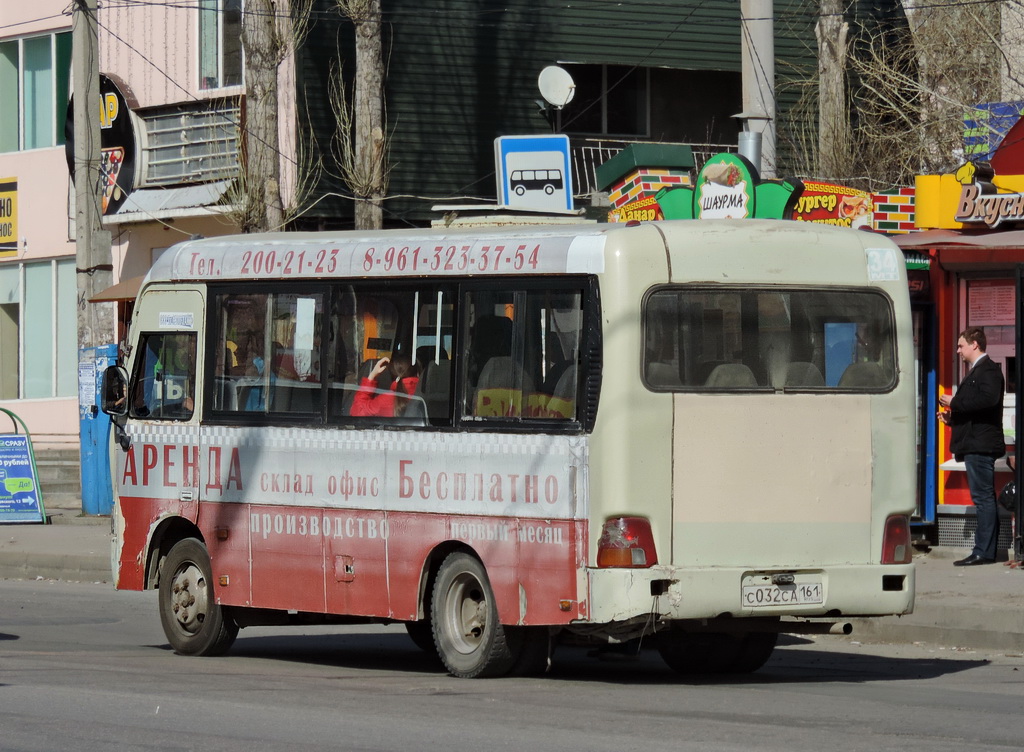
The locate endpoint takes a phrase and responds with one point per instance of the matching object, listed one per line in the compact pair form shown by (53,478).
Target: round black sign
(117,144)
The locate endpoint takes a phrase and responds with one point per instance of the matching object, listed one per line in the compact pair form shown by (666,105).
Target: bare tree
(905,88)
(834,135)
(271,31)
(361,146)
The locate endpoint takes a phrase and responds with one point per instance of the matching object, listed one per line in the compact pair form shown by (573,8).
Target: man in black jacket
(975,418)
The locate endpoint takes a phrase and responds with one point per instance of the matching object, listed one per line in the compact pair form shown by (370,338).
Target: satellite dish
(556,86)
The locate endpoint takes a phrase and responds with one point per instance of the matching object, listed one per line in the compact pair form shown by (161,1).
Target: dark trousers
(981,476)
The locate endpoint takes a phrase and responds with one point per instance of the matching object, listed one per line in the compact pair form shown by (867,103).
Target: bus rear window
(749,339)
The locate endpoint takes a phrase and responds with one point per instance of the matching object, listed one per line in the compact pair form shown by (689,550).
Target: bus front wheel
(193,621)
(469,638)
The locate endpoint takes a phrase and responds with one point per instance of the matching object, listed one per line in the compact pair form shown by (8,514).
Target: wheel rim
(466,613)
(189,598)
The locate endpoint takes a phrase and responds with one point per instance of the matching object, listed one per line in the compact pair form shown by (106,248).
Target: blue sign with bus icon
(534,172)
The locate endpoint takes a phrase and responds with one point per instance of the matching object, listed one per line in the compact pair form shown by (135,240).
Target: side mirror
(114,391)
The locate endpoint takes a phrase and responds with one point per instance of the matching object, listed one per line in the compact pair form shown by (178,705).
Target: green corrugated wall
(462,72)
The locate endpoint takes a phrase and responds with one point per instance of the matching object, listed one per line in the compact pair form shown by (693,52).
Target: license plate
(801,593)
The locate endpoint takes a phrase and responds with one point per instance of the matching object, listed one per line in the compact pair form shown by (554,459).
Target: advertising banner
(831,204)
(20,499)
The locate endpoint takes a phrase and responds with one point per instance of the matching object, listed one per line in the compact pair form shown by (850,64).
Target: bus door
(160,471)
(262,524)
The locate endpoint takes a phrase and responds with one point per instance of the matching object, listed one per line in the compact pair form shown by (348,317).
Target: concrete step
(62,499)
(59,474)
(51,488)
(59,471)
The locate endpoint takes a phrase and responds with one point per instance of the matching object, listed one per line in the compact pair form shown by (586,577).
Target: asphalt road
(83,667)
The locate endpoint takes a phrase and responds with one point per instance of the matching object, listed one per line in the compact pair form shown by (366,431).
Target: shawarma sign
(979,200)
(729,187)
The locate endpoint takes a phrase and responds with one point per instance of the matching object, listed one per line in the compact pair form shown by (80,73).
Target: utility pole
(94,271)
(757,29)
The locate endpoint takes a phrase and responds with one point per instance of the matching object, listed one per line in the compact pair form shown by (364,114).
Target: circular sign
(118,145)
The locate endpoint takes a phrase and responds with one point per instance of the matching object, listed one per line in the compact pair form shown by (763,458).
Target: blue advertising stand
(94,429)
(21,499)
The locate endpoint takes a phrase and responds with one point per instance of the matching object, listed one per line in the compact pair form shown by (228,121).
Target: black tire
(715,653)
(469,638)
(754,651)
(689,652)
(422,634)
(192,620)
(533,646)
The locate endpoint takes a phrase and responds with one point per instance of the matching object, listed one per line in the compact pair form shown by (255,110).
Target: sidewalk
(72,547)
(972,607)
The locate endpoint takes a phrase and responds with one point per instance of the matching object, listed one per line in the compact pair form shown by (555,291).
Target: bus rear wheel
(470,640)
(193,621)
(714,652)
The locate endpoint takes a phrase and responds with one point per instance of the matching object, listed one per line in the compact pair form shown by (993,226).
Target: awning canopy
(126,289)
(943,238)
(149,204)
(967,251)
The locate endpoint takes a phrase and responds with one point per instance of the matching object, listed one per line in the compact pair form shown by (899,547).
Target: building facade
(38,334)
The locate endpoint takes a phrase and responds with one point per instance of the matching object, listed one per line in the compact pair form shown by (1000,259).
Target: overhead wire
(709,17)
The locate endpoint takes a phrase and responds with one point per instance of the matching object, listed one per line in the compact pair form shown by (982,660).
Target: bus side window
(522,355)
(163,387)
(267,353)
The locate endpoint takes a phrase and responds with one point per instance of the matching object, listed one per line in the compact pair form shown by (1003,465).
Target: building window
(220,43)
(38,330)
(610,100)
(34,76)
(192,142)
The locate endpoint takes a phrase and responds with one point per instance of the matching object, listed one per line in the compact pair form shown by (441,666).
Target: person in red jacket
(371,401)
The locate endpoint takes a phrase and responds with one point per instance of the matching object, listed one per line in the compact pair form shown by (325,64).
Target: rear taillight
(626,542)
(896,540)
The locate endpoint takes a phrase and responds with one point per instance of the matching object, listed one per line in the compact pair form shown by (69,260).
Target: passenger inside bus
(389,403)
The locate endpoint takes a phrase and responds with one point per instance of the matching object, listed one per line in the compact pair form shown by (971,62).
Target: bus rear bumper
(673,593)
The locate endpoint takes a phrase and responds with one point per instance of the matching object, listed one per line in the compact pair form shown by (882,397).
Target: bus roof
(414,253)
(708,250)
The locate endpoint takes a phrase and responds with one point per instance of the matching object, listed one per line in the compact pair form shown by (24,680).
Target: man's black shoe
(973,560)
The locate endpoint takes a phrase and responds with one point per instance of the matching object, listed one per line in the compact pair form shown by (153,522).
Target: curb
(919,628)
(72,567)
(70,517)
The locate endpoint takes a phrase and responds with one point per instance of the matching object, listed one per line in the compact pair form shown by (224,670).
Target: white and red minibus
(695,434)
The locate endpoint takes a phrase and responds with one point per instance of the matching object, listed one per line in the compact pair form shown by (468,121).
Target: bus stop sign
(534,172)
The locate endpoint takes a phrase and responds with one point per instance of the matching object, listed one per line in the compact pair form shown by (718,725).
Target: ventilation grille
(958,530)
